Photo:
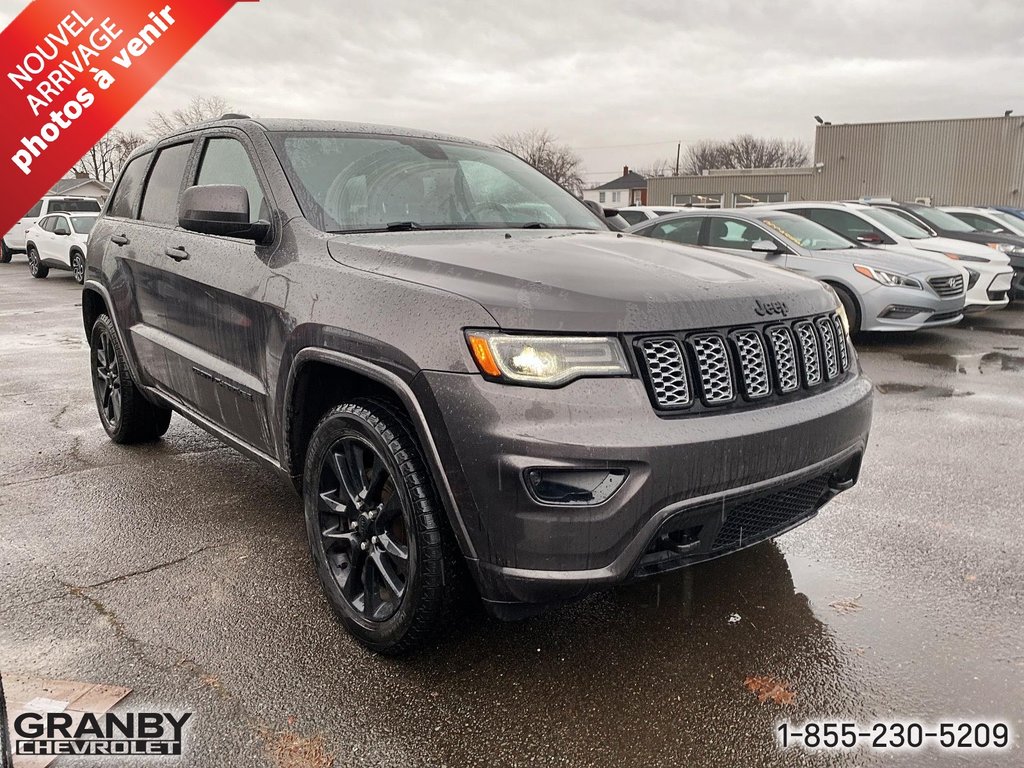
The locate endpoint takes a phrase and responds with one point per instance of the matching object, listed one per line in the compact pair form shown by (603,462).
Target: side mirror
(764,246)
(871,238)
(610,216)
(220,209)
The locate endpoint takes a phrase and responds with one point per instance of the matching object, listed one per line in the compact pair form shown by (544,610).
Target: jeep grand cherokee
(460,367)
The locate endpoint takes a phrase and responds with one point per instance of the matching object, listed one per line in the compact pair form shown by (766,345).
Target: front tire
(125,413)
(36,267)
(78,267)
(850,305)
(377,533)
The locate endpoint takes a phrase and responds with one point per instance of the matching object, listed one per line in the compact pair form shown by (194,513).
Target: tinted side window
(844,223)
(129,187)
(160,199)
(46,223)
(979,222)
(61,226)
(732,233)
(684,231)
(35,211)
(226,162)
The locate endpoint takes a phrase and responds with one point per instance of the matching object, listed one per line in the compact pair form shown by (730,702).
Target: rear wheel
(35,267)
(377,533)
(5,253)
(78,267)
(125,414)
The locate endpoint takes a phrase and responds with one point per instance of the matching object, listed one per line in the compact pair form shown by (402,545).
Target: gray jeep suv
(469,378)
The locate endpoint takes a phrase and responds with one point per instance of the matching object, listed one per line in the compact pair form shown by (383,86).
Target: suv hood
(584,281)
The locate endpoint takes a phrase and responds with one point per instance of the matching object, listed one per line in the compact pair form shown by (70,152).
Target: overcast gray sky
(602,75)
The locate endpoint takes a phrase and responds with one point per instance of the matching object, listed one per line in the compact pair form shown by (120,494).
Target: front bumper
(992,291)
(698,466)
(892,309)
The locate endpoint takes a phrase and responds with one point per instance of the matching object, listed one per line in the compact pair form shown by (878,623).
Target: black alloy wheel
(378,536)
(364,528)
(78,267)
(106,380)
(36,267)
(126,414)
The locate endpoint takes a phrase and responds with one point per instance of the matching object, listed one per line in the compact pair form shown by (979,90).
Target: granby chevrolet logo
(132,733)
(765,308)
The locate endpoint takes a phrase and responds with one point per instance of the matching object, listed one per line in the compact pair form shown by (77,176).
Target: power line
(618,146)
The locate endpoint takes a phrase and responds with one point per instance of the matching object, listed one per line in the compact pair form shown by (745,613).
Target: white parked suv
(989,273)
(635,214)
(15,242)
(57,241)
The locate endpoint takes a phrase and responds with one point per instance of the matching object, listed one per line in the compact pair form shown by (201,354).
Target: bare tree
(198,110)
(541,150)
(662,167)
(745,151)
(108,155)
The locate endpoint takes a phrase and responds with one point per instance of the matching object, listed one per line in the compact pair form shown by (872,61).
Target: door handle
(120,239)
(178,254)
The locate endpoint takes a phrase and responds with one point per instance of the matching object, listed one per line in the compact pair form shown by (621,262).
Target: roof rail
(233,116)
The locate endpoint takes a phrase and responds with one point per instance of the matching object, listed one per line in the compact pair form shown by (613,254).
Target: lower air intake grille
(761,518)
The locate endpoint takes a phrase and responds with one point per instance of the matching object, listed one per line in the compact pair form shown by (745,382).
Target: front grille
(828,342)
(764,517)
(947,286)
(714,368)
(667,371)
(753,363)
(809,353)
(708,369)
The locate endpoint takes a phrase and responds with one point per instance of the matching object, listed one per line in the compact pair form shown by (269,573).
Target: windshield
(366,183)
(83,224)
(1009,222)
(896,223)
(942,220)
(806,233)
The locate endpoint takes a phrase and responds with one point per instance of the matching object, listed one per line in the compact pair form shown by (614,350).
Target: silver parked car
(880,290)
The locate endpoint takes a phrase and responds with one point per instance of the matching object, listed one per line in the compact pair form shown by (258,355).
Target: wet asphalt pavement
(180,570)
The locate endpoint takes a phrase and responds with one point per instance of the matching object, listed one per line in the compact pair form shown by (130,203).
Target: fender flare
(408,398)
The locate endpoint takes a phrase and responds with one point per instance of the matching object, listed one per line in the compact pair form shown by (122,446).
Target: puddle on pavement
(1005,362)
(897,388)
(985,363)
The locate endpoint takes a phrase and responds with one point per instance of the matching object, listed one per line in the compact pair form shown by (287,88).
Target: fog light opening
(574,487)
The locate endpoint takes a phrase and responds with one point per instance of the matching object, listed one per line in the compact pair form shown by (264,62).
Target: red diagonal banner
(70,70)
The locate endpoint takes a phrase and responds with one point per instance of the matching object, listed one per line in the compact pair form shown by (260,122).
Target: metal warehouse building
(974,161)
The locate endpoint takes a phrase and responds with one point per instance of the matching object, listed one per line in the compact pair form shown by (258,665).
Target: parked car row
(894,266)
(53,235)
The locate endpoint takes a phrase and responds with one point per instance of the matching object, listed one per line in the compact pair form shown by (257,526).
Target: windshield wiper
(402,226)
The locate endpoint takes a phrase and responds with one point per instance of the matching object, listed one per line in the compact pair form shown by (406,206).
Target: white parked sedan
(989,271)
(987,219)
(57,241)
(634,214)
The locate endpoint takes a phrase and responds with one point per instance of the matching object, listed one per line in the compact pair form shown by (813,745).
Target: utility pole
(679,146)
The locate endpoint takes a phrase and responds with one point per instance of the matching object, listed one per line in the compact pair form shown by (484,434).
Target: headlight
(891,279)
(1008,248)
(545,361)
(961,257)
